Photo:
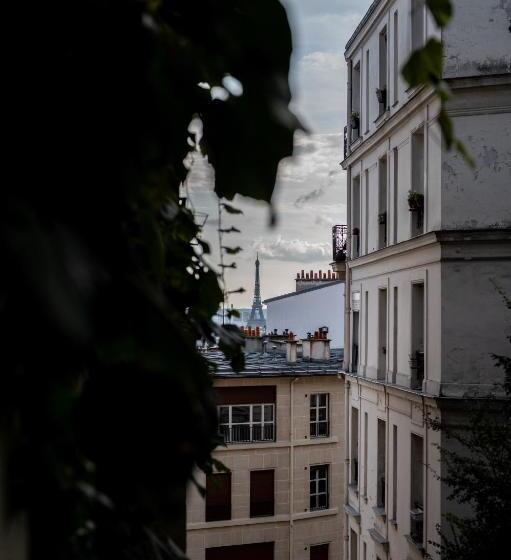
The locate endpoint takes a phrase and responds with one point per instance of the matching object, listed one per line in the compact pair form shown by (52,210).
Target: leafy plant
(424,68)
(107,407)
(415,200)
(475,469)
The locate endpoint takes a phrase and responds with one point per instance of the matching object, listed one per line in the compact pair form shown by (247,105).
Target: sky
(310,194)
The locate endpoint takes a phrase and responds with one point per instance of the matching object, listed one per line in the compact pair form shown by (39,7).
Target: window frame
(251,423)
(314,496)
(317,422)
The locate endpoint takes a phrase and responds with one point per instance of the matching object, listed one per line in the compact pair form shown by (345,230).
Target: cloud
(297,250)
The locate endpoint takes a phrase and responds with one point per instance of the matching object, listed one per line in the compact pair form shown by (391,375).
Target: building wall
(407,415)
(462,255)
(305,312)
(303,528)
(487,48)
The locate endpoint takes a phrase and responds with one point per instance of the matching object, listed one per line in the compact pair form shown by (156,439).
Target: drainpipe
(291,469)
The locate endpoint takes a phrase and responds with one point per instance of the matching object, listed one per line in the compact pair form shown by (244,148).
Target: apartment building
(429,248)
(281,419)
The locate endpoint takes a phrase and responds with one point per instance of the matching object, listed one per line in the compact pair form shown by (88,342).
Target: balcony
(339,243)
(248,433)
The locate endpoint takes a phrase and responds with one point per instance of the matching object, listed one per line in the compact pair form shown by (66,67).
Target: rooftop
(363,21)
(271,364)
(326,284)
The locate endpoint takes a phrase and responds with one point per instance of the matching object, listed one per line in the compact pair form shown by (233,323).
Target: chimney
(303,275)
(291,349)
(253,340)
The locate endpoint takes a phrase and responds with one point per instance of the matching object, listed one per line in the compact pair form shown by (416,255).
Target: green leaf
(231,209)
(232,250)
(232,229)
(424,65)
(441,10)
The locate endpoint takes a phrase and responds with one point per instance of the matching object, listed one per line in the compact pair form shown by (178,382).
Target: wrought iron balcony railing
(339,242)
(248,433)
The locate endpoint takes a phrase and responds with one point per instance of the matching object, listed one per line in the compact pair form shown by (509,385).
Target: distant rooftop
(275,365)
(326,284)
(363,21)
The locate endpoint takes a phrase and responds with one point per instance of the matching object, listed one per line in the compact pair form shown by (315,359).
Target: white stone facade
(423,310)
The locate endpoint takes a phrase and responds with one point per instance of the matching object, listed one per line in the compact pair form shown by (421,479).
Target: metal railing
(248,433)
(339,242)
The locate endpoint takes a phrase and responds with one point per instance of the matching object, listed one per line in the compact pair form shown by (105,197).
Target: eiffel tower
(256,314)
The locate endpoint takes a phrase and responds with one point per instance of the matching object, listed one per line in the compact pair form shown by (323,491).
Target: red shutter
(218,496)
(246,395)
(257,551)
(319,552)
(262,493)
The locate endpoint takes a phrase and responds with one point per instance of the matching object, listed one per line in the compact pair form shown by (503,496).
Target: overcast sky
(311,188)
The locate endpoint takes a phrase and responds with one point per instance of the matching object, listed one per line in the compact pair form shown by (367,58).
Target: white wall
(477,41)
(305,312)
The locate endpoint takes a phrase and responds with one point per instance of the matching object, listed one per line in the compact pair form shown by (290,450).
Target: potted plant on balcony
(381,94)
(382,218)
(415,201)
(355,120)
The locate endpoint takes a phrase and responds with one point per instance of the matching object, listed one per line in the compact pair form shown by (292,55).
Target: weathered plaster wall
(479,197)
(478,41)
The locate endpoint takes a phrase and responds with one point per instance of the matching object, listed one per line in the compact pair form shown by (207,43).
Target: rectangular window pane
(262,491)
(319,487)
(268,413)
(319,415)
(319,552)
(224,414)
(218,497)
(240,414)
(256,413)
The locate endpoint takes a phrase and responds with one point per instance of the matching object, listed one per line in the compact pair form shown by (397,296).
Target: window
(353,545)
(244,423)
(354,342)
(355,218)
(319,552)
(366,328)
(381,92)
(382,335)
(367,91)
(395,336)
(417,355)
(354,446)
(319,415)
(417,215)
(256,551)
(394,474)
(355,103)
(382,203)
(416,490)
(218,496)
(366,435)
(396,56)
(318,487)
(262,493)
(395,153)
(380,467)
(417,23)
